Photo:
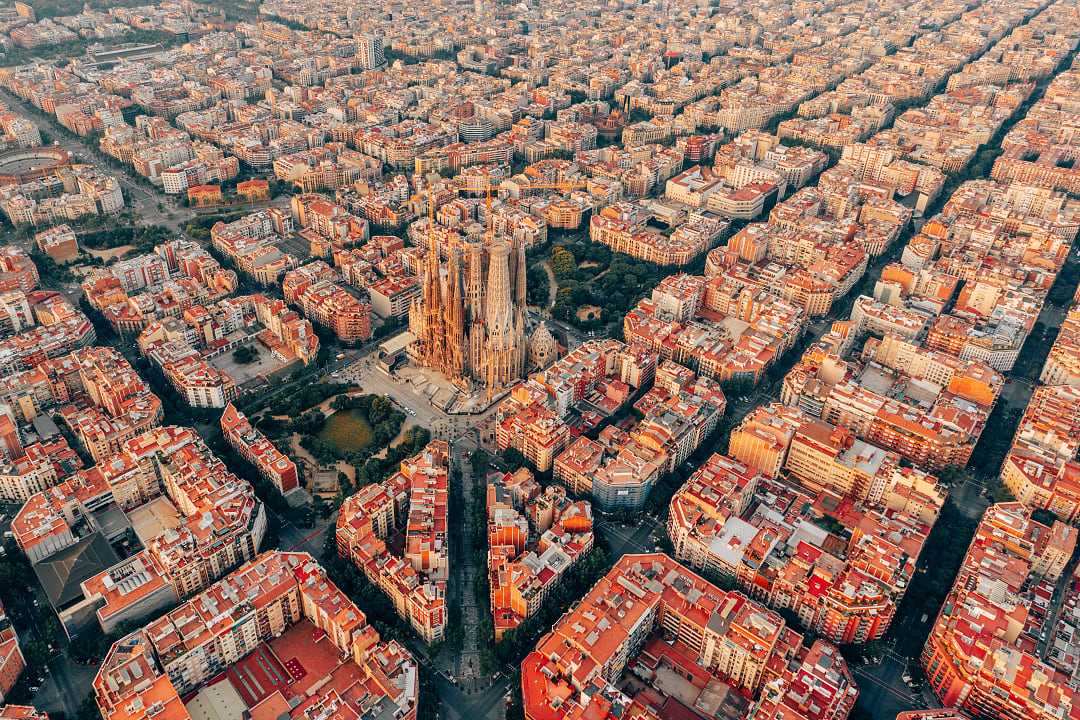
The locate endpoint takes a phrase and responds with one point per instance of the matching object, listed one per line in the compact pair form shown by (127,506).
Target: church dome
(543,349)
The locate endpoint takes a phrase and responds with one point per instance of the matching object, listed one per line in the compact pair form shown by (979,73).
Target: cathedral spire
(455,316)
(469,320)
(433,337)
(474,280)
(498,305)
(520,294)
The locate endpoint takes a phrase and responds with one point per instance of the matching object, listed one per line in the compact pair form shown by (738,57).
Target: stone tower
(503,355)
(474,280)
(470,322)
(455,318)
(431,323)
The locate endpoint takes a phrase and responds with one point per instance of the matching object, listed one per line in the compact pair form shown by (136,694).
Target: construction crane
(489,193)
(564,186)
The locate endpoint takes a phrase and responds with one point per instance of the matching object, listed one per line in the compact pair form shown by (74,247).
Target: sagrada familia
(470,328)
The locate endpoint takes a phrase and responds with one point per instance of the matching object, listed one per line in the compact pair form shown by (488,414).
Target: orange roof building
(219,523)
(982,654)
(253,446)
(12,661)
(649,611)
(202,195)
(414,500)
(21,712)
(253,190)
(522,574)
(317,656)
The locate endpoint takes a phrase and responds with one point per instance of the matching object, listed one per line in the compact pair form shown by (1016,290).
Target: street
(457,704)
(465,693)
(303,539)
(463,582)
(883,691)
(365,373)
(149,206)
(625,538)
(66,686)
(141,200)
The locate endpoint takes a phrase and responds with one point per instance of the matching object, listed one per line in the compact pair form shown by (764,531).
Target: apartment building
(97,394)
(650,614)
(34,468)
(723,327)
(21,712)
(535,431)
(249,242)
(12,662)
(60,329)
(935,432)
(59,243)
(413,500)
(282,607)
(217,524)
(535,536)
(1041,469)
(274,465)
(1062,366)
(767,536)
(624,228)
(323,301)
(17,270)
(981,654)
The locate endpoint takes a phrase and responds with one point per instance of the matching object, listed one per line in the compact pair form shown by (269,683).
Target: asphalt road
(459,704)
(138,197)
(882,686)
(66,687)
(882,690)
(366,373)
(310,540)
(149,206)
(629,538)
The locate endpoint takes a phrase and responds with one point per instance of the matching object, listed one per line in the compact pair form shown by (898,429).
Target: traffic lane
(455,702)
(882,690)
(624,539)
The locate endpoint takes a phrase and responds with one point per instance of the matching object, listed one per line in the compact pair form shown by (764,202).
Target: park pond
(347,430)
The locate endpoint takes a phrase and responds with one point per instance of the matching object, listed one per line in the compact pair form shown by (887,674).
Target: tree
(562,261)
(309,423)
(536,287)
(953,475)
(430,702)
(513,458)
(479,460)
(379,410)
(88,710)
(36,654)
(997,490)
(1044,516)
(270,426)
(245,355)
(831,525)
(89,647)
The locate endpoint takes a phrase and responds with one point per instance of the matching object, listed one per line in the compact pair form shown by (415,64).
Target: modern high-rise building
(370,51)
